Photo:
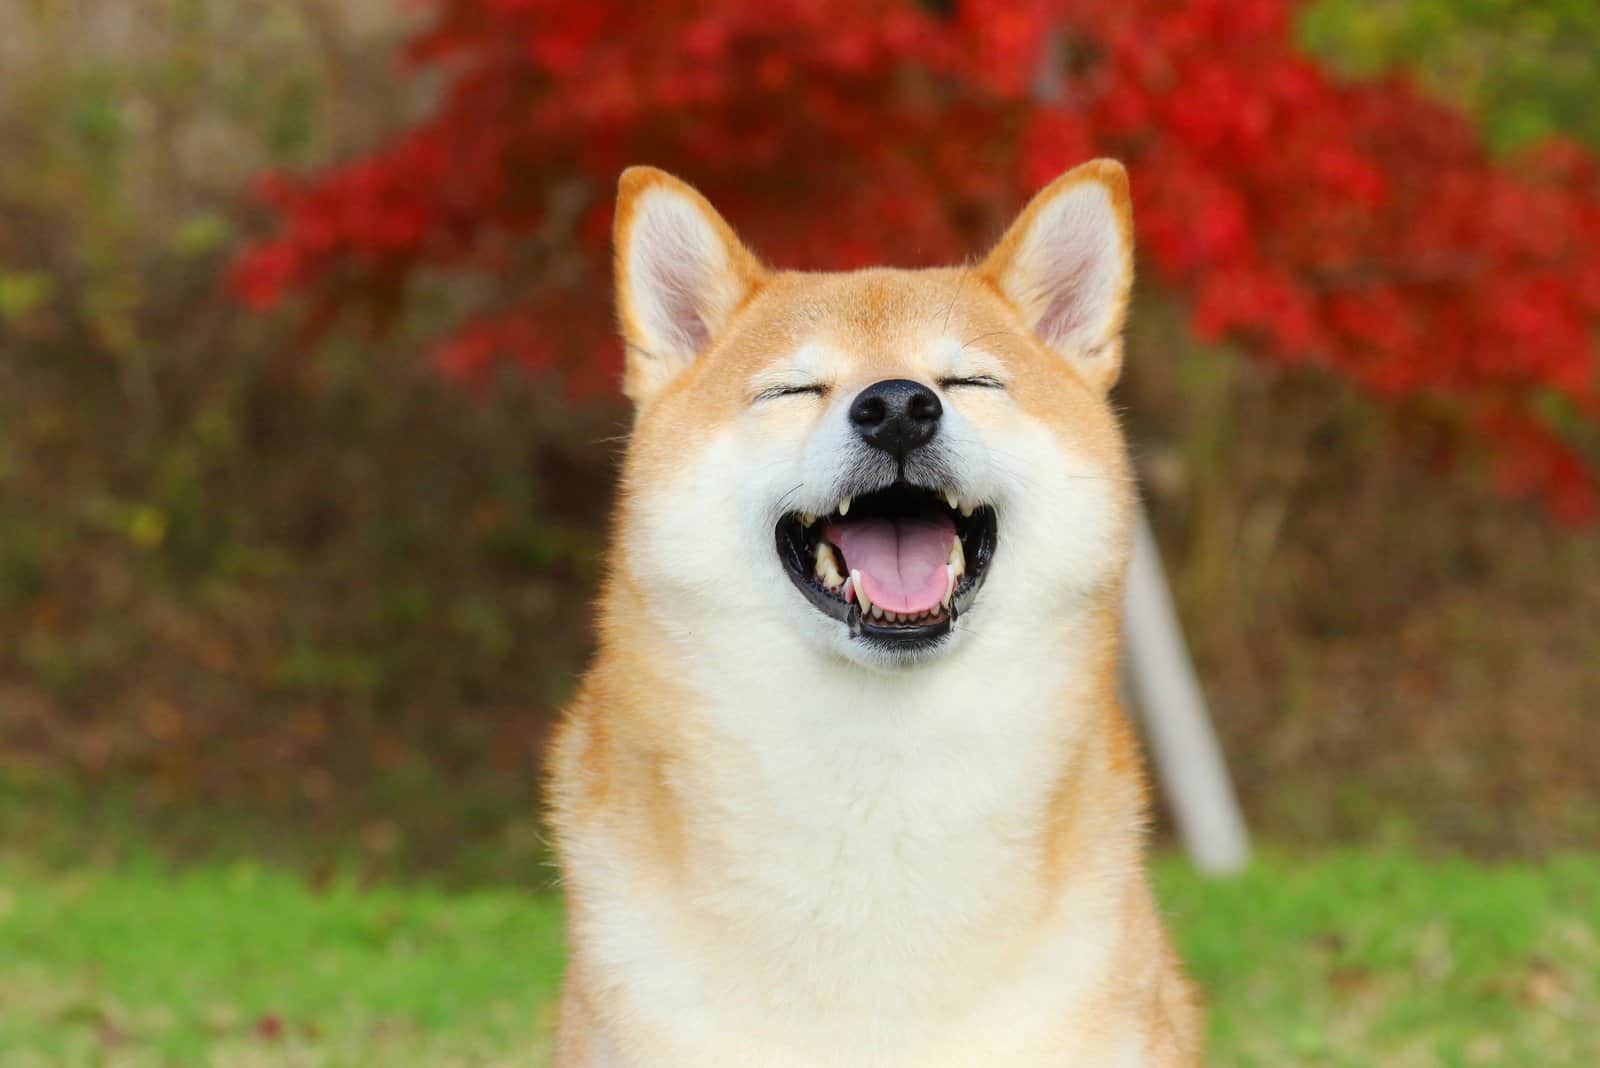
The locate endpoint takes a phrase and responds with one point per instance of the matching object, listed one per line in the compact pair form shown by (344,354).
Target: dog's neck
(905,843)
(783,738)
(900,834)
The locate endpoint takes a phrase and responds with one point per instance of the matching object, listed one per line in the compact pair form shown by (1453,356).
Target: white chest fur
(861,884)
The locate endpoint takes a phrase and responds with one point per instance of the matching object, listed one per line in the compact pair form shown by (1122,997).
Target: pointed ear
(1067,266)
(680,274)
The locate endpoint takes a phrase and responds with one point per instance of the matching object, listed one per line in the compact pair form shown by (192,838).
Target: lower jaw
(895,639)
(863,626)
(899,636)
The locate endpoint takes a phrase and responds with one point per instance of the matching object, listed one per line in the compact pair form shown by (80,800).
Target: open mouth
(898,565)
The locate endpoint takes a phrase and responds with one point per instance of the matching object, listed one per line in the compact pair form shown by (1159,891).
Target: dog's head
(878,463)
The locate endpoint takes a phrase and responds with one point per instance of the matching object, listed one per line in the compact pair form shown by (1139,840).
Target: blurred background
(308,423)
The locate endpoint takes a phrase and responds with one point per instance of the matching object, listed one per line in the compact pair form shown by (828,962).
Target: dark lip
(979,534)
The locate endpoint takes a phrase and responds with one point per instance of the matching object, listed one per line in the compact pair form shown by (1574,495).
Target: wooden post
(1158,672)
(1187,756)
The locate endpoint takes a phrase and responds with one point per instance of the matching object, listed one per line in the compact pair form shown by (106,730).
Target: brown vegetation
(328,592)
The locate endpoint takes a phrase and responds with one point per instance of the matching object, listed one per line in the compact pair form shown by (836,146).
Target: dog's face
(880,463)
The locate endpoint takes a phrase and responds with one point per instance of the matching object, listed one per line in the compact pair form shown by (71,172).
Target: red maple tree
(1362,228)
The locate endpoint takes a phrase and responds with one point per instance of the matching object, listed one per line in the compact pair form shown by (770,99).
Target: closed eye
(975,382)
(816,389)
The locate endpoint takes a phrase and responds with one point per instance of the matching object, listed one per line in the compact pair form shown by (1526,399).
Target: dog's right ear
(681,273)
(1066,264)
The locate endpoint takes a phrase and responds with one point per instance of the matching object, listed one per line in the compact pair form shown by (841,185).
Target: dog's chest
(871,885)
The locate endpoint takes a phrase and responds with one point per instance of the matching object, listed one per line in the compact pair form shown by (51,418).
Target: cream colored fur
(782,849)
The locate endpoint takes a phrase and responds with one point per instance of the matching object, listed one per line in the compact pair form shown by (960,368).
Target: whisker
(640,349)
(992,333)
(960,284)
(789,496)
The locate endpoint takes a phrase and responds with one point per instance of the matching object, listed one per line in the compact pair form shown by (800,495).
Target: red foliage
(1357,227)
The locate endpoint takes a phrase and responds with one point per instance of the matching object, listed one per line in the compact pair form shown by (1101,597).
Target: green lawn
(1345,960)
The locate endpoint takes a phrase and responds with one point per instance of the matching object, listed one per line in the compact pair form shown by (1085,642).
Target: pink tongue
(902,561)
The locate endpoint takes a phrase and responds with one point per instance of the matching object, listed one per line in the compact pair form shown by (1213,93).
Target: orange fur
(645,783)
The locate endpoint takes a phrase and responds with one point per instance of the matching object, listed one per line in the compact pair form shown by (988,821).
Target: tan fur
(635,768)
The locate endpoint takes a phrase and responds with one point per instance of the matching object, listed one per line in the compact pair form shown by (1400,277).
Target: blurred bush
(1356,227)
(1527,69)
(227,572)
(332,604)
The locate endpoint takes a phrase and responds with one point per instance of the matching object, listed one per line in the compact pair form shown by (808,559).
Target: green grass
(1349,959)
(241,966)
(1381,960)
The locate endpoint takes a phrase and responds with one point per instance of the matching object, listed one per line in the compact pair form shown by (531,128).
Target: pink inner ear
(676,258)
(1071,270)
(1063,315)
(676,295)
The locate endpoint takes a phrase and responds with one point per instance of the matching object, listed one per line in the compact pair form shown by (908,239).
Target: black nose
(896,415)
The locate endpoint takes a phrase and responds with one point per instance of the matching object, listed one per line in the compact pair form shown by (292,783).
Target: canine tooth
(952,500)
(827,567)
(949,584)
(806,519)
(958,556)
(861,594)
(967,508)
(844,506)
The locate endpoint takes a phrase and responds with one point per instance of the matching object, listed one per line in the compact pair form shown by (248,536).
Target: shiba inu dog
(847,783)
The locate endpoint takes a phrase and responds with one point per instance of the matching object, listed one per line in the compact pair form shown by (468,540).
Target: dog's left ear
(681,273)
(1066,264)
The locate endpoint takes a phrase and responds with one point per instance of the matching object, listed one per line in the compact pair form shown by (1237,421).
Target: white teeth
(877,612)
(958,556)
(952,500)
(806,519)
(827,568)
(967,509)
(892,617)
(861,594)
(844,506)
(954,569)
